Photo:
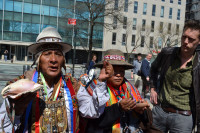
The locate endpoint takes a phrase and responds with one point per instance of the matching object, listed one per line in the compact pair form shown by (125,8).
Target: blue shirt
(137,65)
(91,66)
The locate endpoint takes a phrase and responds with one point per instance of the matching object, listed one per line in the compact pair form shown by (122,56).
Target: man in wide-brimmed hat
(53,108)
(115,113)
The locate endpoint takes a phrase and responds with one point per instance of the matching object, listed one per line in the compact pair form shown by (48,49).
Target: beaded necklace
(45,88)
(54,115)
(50,114)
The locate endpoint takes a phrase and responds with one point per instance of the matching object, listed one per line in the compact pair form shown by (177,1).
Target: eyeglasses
(121,72)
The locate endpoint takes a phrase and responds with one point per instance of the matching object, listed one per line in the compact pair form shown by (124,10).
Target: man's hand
(141,106)
(153,96)
(127,104)
(106,72)
(22,102)
(147,78)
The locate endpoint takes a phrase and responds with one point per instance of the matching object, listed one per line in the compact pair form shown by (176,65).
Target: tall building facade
(22,20)
(146,26)
(192,9)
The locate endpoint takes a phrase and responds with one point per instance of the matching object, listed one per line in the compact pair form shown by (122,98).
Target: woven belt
(182,112)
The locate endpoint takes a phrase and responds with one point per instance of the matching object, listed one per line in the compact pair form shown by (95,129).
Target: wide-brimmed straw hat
(115,57)
(49,39)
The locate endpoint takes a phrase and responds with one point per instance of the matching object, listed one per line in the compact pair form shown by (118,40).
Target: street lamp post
(74,44)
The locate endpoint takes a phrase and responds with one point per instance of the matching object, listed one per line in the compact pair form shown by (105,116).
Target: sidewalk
(31,62)
(16,62)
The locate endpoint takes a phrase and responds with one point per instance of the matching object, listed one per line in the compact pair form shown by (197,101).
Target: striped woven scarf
(126,90)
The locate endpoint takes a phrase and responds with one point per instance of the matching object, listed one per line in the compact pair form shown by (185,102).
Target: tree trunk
(90,44)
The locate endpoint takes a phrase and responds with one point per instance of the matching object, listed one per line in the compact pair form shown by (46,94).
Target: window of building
(114,22)
(151,42)
(35,28)
(162,11)
(125,23)
(16,26)
(1,5)
(169,28)
(178,14)
(8,5)
(179,2)
(27,8)
(116,5)
(171,1)
(152,26)
(124,39)
(159,42)
(142,41)
(176,43)
(17,17)
(114,38)
(168,42)
(134,23)
(27,28)
(153,10)
(27,18)
(126,6)
(36,10)
(161,27)
(177,29)
(170,13)
(143,24)
(45,10)
(53,11)
(133,40)
(145,9)
(135,7)
(17,6)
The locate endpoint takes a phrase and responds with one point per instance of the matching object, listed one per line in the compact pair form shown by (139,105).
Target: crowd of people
(109,103)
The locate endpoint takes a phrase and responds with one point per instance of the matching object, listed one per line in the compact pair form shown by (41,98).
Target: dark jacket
(160,66)
(145,68)
(91,66)
(106,120)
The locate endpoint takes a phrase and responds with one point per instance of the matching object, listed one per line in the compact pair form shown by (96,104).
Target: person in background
(92,63)
(145,73)
(5,55)
(91,69)
(177,94)
(136,72)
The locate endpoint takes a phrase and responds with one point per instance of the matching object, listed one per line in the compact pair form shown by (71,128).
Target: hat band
(51,46)
(114,57)
(50,39)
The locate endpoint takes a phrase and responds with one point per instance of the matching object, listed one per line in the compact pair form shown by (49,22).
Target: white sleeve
(92,106)
(7,124)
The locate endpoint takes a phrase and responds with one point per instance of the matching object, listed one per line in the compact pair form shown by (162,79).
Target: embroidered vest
(51,116)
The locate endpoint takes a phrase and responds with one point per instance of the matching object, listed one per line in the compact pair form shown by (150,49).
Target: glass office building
(22,20)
